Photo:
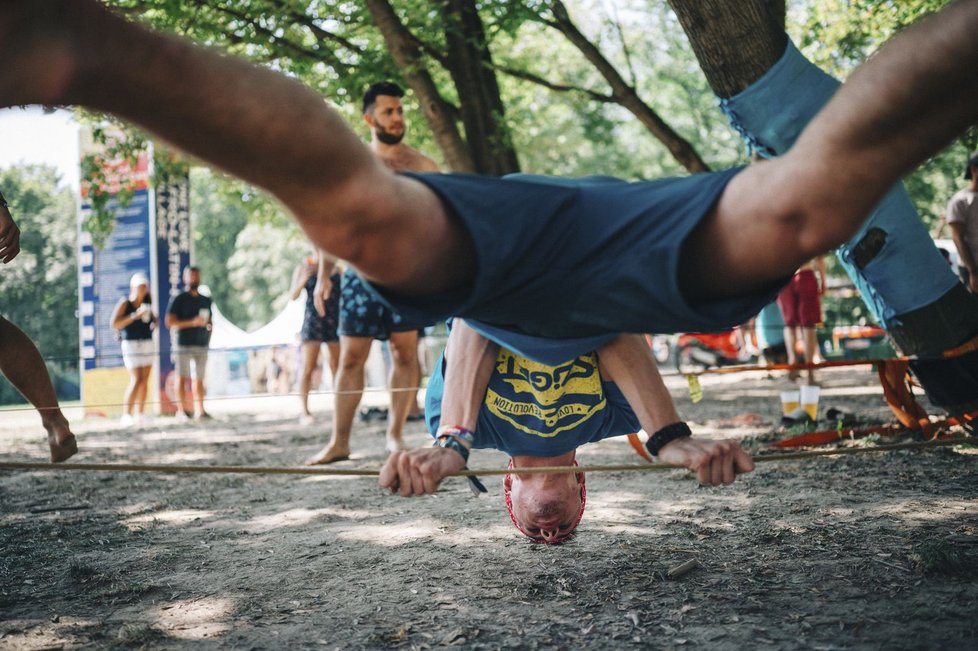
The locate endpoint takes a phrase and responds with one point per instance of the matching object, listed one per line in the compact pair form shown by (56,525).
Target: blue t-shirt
(541,410)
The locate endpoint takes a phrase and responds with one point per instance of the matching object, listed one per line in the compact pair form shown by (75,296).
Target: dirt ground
(869,551)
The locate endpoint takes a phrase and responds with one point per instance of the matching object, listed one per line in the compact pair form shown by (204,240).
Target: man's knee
(404,349)
(354,352)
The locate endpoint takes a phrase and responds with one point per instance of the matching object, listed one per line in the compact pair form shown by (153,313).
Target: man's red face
(546,513)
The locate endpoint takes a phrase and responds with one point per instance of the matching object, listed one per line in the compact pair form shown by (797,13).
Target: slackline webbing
(374,472)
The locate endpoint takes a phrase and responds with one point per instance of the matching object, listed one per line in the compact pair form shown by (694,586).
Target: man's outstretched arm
(627,361)
(900,107)
(259,125)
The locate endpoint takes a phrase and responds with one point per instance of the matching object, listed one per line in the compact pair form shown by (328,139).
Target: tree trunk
(483,113)
(625,94)
(735,42)
(439,114)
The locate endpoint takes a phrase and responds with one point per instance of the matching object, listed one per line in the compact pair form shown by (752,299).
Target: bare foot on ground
(62,442)
(328,454)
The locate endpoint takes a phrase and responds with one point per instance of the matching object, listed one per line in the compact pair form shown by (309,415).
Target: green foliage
(260,270)
(330,44)
(845,32)
(573,133)
(39,288)
(245,246)
(114,148)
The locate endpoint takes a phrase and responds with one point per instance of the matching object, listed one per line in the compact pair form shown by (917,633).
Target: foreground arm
(627,361)
(900,107)
(259,125)
(469,362)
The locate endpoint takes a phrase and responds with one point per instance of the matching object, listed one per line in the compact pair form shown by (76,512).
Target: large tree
(443,51)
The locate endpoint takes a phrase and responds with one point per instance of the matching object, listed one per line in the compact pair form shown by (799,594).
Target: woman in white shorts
(133,317)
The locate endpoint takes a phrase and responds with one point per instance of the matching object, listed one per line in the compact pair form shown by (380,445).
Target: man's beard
(387,137)
(194,286)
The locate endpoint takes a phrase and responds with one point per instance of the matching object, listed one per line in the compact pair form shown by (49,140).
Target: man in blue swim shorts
(363,316)
(523,256)
(485,396)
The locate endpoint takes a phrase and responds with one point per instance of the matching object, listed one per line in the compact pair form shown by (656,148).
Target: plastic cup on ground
(790,401)
(809,399)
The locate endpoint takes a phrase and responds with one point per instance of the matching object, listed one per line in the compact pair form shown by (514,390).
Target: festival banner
(103,277)
(172,253)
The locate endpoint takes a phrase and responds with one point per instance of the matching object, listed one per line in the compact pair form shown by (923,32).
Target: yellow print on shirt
(545,400)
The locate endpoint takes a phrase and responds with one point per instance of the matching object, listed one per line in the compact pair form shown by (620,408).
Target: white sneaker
(182,416)
(305,420)
(127,420)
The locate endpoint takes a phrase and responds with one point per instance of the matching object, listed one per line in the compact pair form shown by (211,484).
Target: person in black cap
(962,217)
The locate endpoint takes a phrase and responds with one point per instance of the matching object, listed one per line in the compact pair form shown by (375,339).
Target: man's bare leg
(199,394)
(790,347)
(185,402)
(810,340)
(403,377)
(349,390)
(310,356)
(22,364)
(333,359)
(142,389)
(257,124)
(129,397)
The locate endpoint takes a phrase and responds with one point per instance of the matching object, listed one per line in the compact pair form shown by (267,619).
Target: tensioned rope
(333,392)
(967,347)
(249,396)
(375,472)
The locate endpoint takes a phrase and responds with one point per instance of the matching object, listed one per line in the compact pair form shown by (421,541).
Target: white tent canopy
(283,330)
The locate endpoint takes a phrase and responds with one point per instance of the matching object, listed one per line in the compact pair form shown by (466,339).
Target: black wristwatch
(666,435)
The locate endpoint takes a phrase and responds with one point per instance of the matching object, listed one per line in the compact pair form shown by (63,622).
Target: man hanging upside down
(540,414)
(518,256)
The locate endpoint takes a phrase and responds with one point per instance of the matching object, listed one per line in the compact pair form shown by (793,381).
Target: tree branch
(625,94)
(560,88)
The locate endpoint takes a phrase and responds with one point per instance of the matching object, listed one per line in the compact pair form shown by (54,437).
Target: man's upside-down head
(546,508)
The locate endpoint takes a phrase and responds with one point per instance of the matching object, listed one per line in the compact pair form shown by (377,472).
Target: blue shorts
(322,328)
(578,258)
(362,314)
